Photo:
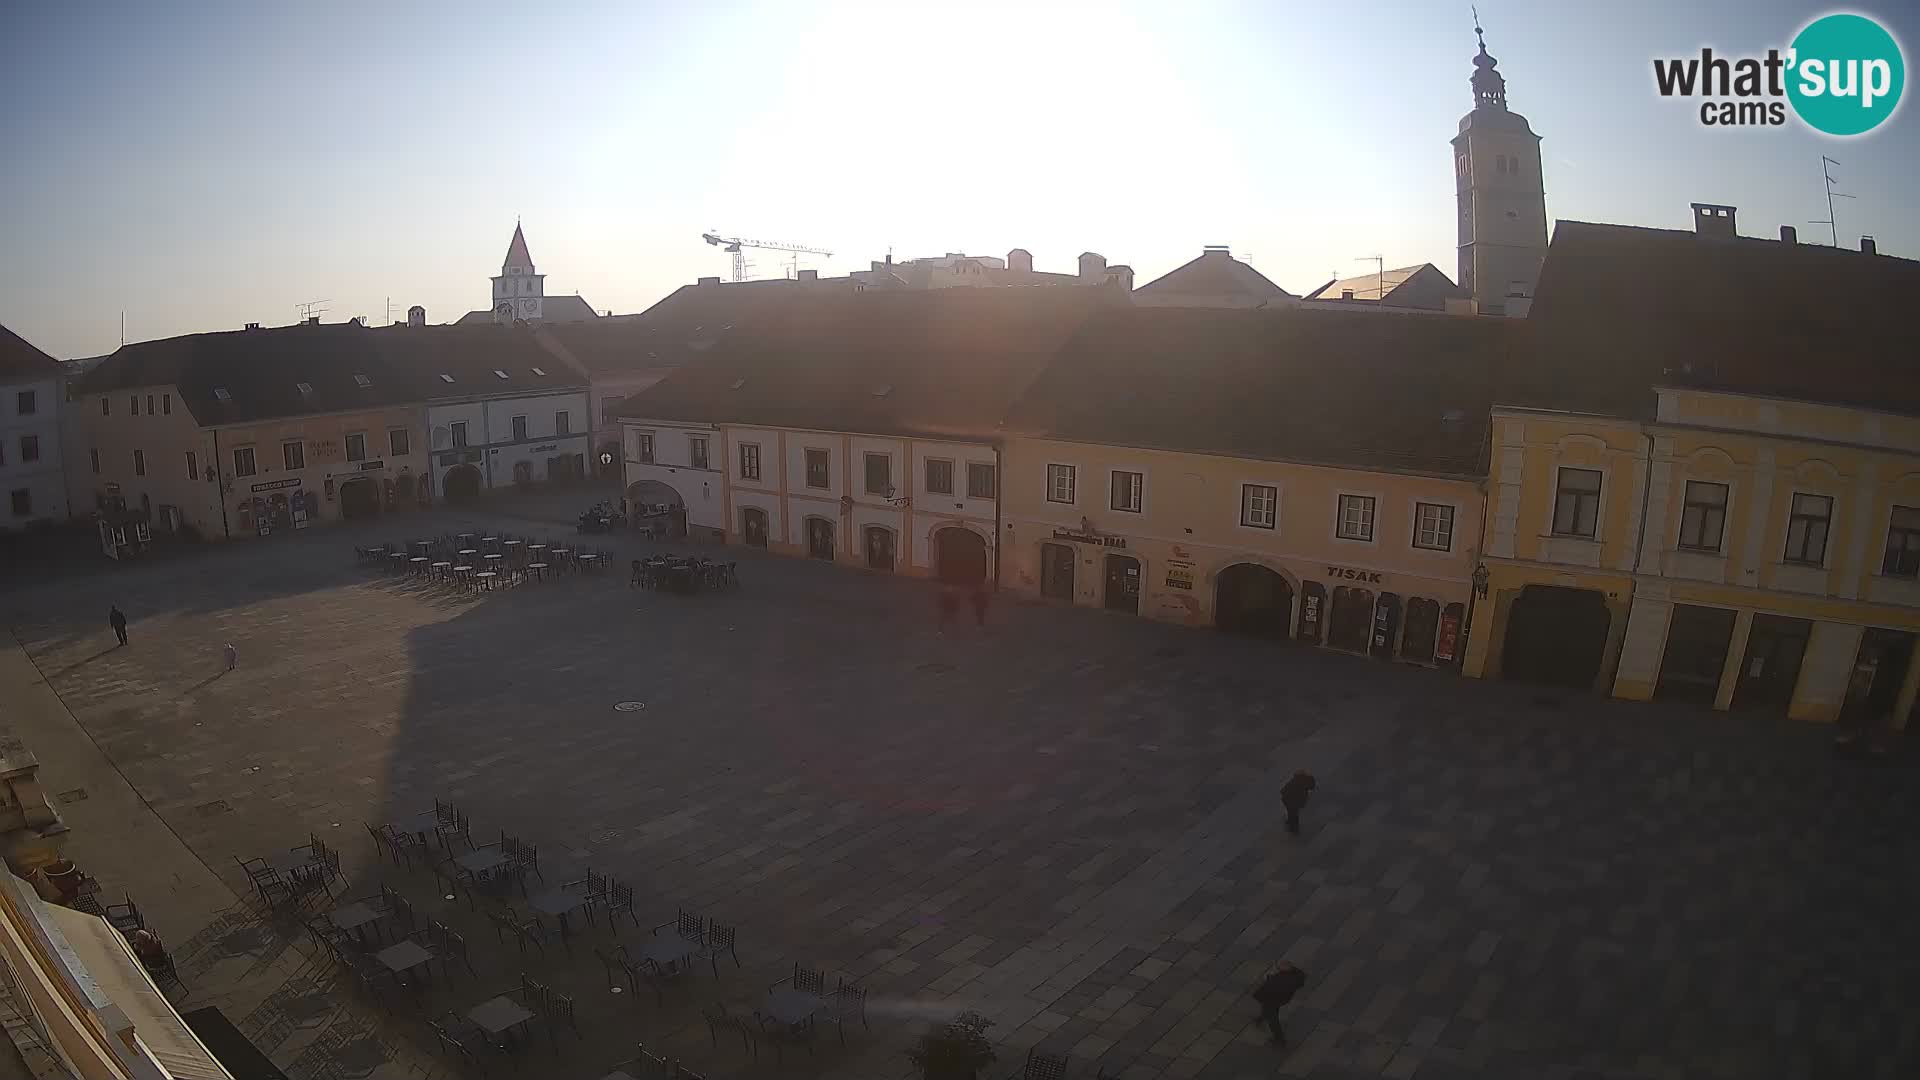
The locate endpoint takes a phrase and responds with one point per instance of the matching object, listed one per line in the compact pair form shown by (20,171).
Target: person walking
(1276,990)
(233,656)
(118,620)
(1293,796)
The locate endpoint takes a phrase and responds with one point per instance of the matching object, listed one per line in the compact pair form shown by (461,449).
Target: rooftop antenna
(311,309)
(1831,221)
(1380,268)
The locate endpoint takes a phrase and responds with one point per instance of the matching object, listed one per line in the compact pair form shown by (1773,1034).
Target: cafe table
(499,1016)
(404,957)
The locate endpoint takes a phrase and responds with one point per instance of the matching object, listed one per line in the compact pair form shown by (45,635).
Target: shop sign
(546,448)
(1090,538)
(369,466)
(113,487)
(275,485)
(323,450)
(1313,606)
(1449,634)
(1371,577)
(1179,574)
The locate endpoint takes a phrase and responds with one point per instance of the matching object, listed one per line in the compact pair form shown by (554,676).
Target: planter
(64,877)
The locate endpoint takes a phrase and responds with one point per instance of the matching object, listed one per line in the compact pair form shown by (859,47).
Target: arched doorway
(1350,625)
(359,498)
(462,482)
(657,508)
(879,547)
(403,487)
(1254,600)
(753,526)
(1556,635)
(1056,571)
(820,538)
(1123,584)
(960,555)
(1423,627)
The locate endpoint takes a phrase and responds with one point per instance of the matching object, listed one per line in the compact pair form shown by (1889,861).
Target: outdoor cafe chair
(455,824)
(452,945)
(620,899)
(718,942)
(617,962)
(805,980)
(719,1019)
(524,857)
(686,925)
(125,917)
(559,1011)
(783,1035)
(848,1001)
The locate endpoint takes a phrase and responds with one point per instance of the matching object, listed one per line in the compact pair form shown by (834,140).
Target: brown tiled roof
(947,362)
(1214,273)
(1620,309)
(473,356)
(1424,286)
(1368,389)
(259,369)
(19,359)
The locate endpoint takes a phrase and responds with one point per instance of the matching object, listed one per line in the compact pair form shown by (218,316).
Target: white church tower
(1503,201)
(518,293)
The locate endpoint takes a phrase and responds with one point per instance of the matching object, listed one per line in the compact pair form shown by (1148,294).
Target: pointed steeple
(1489,87)
(517,252)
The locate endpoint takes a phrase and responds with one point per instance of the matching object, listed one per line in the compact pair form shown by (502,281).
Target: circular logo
(1846,76)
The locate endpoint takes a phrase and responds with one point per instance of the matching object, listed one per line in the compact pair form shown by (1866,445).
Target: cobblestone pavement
(1067,820)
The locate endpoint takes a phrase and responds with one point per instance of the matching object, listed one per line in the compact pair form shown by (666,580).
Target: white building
(32,483)
(520,294)
(502,411)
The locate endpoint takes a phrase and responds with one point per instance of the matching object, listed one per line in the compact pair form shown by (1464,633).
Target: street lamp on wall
(1480,580)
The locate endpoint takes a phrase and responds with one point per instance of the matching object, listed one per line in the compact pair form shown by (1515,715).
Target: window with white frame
(1703,516)
(243,461)
(1356,518)
(697,451)
(1125,491)
(879,468)
(519,429)
(399,441)
(293,454)
(1903,543)
(458,429)
(981,481)
(1576,503)
(749,461)
(1807,526)
(819,468)
(357,446)
(1259,505)
(940,476)
(1433,526)
(643,447)
(1060,483)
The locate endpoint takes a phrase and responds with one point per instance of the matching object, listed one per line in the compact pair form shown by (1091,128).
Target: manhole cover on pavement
(78,794)
(630,706)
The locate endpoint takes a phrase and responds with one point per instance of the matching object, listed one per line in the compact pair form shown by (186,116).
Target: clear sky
(200,166)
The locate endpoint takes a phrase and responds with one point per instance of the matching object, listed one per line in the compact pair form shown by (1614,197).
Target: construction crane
(736,247)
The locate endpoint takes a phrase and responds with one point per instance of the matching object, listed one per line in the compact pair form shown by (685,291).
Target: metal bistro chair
(524,930)
(719,1019)
(266,881)
(619,900)
(719,942)
(808,981)
(125,917)
(848,1001)
(559,1010)
(454,824)
(452,945)
(524,857)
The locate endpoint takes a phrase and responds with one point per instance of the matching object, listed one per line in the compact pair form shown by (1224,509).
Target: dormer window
(362,381)
(499,374)
(448,379)
(883,390)
(540,373)
(737,384)
(220,394)
(306,389)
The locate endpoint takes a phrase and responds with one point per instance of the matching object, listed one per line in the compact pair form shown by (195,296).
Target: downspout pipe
(999,495)
(219,483)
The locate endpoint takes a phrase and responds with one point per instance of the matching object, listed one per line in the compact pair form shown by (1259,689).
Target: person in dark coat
(1293,796)
(1276,990)
(118,620)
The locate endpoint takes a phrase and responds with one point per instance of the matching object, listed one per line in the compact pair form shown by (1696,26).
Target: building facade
(513,440)
(1743,552)
(283,475)
(33,485)
(1368,562)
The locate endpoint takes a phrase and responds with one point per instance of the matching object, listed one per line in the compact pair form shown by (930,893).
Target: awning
(108,958)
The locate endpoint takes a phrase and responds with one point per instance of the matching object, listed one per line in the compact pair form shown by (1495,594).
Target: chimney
(1346,294)
(1216,249)
(1020,260)
(879,267)
(809,275)
(416,316)
(708,281)
(1715,220)
(1867,246)
(1092,267)
(313,320)
(1789,234)
(1120,276)
(253,326)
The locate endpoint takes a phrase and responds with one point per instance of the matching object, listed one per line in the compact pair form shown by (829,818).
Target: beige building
(1200,466)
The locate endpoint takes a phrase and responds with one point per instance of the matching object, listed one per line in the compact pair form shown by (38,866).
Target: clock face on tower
(526,308)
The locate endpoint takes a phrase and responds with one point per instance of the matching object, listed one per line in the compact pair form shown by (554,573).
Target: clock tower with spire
(518,293)
(1503,201)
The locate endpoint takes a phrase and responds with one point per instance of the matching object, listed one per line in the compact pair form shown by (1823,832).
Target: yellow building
(1713,513)
(1311,475)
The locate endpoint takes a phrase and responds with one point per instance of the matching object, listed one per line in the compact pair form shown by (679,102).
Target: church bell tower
(518,293)
(1503,201)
